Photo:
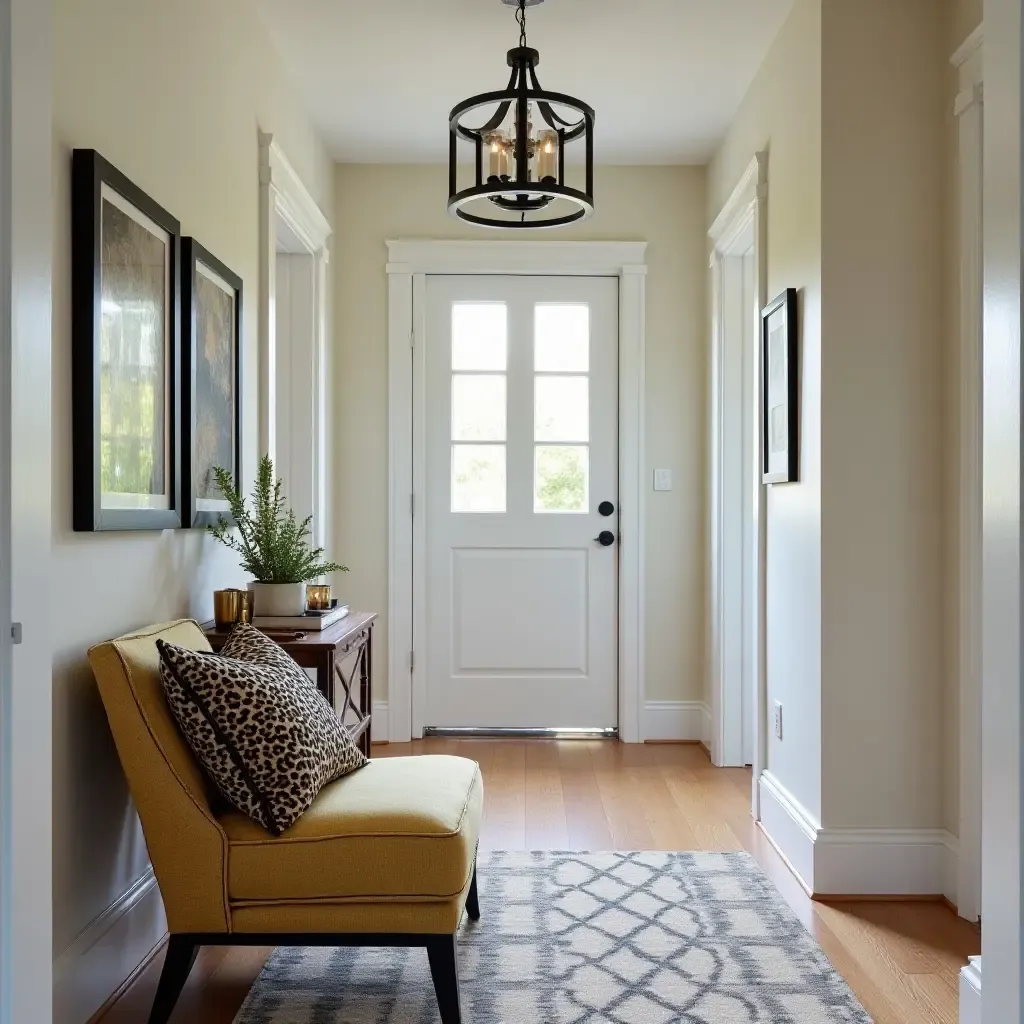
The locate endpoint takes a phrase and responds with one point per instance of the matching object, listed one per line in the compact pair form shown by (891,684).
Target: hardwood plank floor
(901,959)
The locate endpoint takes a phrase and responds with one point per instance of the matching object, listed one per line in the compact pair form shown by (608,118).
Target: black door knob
(606,508)
(605,538)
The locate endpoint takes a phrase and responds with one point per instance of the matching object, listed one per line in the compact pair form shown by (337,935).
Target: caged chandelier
(520,176)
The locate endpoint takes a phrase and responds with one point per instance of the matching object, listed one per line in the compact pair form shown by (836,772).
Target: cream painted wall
(854,610)
(782,112)
(882,402)
(662,205)
(963,18)
(172,94)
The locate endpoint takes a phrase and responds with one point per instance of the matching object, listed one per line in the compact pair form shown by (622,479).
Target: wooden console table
(342,655)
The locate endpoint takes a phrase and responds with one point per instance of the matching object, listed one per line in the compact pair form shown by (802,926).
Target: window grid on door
(561,424)
(479,406)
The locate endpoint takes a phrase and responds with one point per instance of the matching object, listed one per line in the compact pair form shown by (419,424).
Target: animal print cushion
(263,731)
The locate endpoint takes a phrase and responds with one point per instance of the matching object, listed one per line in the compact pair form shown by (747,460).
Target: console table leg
(365,680)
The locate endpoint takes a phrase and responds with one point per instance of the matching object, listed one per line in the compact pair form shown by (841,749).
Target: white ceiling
(664,76)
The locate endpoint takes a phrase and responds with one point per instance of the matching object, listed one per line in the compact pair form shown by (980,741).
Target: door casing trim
(410,261)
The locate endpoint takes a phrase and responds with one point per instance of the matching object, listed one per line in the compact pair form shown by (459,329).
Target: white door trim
(737,590)
(26,564)
(969,113)
(409,263)
(284,198)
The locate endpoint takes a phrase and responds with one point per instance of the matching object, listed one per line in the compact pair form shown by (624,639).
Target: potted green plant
(273,545)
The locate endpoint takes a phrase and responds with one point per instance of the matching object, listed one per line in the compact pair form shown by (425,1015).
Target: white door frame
(409,264)
(26,452)
(969,113)
(285,200)
(738,526)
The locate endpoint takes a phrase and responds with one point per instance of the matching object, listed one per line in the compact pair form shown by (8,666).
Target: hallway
(900,958)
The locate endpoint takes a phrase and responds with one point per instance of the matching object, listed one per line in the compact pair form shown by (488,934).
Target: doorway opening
(420,415)
(737,659)
(292,333)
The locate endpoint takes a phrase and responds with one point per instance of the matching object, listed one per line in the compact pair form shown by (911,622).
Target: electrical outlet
(778,720)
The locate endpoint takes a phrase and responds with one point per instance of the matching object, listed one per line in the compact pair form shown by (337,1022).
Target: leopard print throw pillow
(262,730)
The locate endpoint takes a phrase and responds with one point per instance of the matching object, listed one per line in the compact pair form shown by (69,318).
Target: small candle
(497,151)
(547,155)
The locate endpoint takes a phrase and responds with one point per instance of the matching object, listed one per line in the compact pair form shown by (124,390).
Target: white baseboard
(951,869)
(103,957)
(857,862)
(379,721)
(881,862)
(705,725)
(790,826)
(679,720)
(970,992)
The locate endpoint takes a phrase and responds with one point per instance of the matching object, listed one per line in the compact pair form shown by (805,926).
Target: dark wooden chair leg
(473,900)
(181,955)
(443,953)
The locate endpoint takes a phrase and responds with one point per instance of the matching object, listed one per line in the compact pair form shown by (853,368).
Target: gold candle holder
(229,607)
(318,596)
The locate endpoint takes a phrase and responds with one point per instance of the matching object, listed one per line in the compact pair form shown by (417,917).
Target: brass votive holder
(318,597)
(229,607)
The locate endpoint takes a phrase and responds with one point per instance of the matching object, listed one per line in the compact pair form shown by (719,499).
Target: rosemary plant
(273,544)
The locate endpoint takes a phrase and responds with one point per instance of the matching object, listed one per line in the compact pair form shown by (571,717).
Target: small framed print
(780,459)
(211,299)
(125,353)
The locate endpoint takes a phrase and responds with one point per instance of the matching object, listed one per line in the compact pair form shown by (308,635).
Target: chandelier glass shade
(518,154)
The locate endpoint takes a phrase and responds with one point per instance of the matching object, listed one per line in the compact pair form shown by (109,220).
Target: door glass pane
(478,478)
(478,407)
(562,408)
(561,479)
(479,336)
(562,337)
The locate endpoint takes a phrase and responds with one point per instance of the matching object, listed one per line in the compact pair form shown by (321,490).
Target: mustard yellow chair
(384,857)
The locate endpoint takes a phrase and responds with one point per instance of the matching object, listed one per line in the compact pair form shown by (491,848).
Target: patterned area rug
(586,938)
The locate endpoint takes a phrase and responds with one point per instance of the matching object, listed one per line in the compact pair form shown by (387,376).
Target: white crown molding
(753,185)
(426,256)
(294,202)
(968,47)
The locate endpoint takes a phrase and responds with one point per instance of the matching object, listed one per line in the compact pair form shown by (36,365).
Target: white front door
(521,453)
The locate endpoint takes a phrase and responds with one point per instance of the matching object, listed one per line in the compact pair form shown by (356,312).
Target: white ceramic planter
(278,598)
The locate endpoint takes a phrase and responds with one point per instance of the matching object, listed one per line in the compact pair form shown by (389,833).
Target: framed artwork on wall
(211,300)
(125,353)
(780,458)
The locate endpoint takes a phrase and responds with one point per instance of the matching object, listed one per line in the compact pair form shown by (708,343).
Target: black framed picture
(211,414)
(125,352)
(780,459)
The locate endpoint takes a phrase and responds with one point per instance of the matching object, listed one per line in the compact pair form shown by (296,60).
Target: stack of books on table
(308,621)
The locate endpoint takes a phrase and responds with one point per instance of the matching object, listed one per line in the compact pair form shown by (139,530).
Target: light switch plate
(663,479)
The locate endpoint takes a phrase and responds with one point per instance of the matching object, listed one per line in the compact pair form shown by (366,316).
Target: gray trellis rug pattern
(586,938)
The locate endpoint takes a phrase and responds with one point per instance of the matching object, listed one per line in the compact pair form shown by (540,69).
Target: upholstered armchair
(385,856)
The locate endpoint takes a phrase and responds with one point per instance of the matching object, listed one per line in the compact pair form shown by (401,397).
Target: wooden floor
(902,959)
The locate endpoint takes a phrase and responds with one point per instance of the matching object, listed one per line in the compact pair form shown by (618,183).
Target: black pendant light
(520,175)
